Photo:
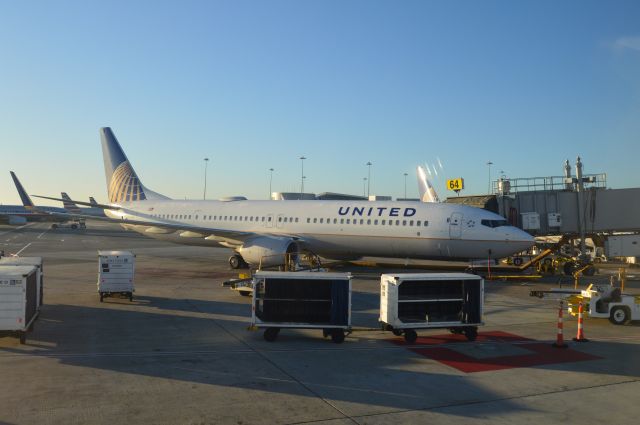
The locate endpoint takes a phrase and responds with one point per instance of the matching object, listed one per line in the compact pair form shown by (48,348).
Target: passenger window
(383,222)
(426,223)
(404,222)
(315,220)
(321,220)
(418,223)
(361,221)
(308,220)
(196,217)
(375,222)
(411,223)
(335,221)
(269,219)
(369,221)
(290,219)
(342,221)
(397,222)
(280,219)
(296,219)
(348,220)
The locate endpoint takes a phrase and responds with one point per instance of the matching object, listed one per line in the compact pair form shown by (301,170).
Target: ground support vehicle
(18,300)
(303,300)
(598,301)
(413,301)
(116,271)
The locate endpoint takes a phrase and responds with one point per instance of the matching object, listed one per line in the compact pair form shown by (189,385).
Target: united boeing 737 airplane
(265,232)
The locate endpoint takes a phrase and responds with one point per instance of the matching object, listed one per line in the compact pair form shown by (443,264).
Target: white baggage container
(18,300)
(311,300)
(431,300)
(28,261)
(115,273)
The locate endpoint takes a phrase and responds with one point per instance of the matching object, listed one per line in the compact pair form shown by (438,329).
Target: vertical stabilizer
(26,200)
(427,192)
(68,204)
(92,201)
(123,184)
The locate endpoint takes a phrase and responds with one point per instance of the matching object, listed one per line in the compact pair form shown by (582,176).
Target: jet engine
(269,251)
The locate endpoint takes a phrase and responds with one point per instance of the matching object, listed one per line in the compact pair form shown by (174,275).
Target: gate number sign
(455,184)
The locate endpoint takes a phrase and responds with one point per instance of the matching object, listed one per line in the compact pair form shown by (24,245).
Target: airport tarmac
(180,353)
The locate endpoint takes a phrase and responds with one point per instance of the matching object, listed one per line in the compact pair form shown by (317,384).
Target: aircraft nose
(520,238)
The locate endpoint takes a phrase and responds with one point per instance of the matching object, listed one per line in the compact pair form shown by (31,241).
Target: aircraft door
(269,222)
(455,225)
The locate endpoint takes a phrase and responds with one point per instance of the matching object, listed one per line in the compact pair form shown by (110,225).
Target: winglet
(26,200)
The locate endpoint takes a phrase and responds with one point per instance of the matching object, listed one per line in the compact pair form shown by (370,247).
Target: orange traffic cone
(559,339)
(580,336)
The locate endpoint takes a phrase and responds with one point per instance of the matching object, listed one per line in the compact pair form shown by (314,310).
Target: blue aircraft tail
(123,183)
(26,200)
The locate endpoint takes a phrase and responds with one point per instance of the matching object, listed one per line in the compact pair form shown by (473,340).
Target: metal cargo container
(314,300)
(29,261)
(431,300)
(18,300)
(115,273)
(622,246)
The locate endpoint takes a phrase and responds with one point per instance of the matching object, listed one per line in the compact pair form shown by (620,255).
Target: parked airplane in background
(28,212)
(425,188)
(72,207)
(264,232)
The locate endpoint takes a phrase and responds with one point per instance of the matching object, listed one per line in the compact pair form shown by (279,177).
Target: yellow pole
(623,277)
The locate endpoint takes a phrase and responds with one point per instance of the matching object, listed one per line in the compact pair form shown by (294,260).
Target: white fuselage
(339,229)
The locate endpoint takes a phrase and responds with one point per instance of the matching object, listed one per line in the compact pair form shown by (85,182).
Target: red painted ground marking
(542,353)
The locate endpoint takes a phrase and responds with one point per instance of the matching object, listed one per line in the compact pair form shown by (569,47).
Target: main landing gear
(237,262)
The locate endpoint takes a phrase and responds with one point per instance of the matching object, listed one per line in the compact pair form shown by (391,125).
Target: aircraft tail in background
(26,200)
(427,192)
(69,205)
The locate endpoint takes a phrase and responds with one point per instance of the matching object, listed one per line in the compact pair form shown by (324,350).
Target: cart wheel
(101,296)
(270,334)
(471,333)
(326,333)
(619,315)
(23,337)
(337,335)
(456,331)
(410,336)
(396,332)
(245,293)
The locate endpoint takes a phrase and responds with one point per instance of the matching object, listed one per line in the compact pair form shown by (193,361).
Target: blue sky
(254,85)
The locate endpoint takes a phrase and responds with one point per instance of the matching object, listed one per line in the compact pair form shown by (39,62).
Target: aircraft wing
(159,226)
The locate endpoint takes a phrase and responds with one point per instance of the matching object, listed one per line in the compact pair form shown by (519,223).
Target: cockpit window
(494,223)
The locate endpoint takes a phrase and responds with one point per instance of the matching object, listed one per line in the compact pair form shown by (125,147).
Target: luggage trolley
(452,301)
(303,300)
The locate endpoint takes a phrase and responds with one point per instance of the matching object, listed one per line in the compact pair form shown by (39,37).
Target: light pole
(405,186)
(368,178)
(489,164)
(364,186)
(270,181)
(302,158)
(206,162)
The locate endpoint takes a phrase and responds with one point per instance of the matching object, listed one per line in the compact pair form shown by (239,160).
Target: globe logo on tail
(125,185)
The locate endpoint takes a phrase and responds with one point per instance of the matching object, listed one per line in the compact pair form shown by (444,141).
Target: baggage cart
(116,271)
(414,301)
(18,300)
(29,261)
(304,300)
